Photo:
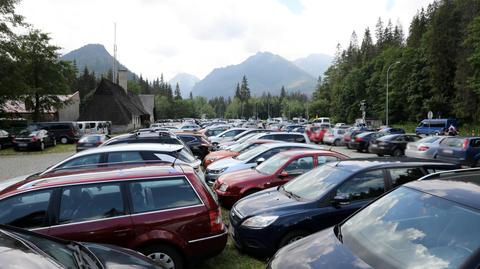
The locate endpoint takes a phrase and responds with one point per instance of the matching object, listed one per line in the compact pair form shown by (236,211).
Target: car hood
(320,250)
(226,162)
(113,257)
(241,176)
(265,202)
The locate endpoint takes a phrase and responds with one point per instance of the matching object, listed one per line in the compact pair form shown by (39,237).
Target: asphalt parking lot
(18,165)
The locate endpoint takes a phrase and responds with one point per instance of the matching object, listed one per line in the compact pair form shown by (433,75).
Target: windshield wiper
(289,193)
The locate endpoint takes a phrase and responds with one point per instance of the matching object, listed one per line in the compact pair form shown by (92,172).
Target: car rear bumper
(207,247)
(418,154)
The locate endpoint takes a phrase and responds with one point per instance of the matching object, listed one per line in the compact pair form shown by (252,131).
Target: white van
(94,127)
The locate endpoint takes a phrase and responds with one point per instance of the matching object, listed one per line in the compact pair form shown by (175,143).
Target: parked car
(251,158)
(265,221)
(352,133)
(226,135)
(190,127)
(361,142)
(118,155)
(165,212)
(6,139)
(25,249)
(38,140)
(198,144)
(241,137)
(147,136)
(321,120)
(284,136)
(434,126)
(423,224)
(390,130)
(273,172)
(460,150)
(316,132)
(425,148)
(64,131)
(290,128)
(233,150)
(299,129)
(334,136)
(394,144)
(91,141)
(215,130)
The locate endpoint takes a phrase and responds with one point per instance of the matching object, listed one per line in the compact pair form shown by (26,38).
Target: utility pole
(114,70)
(386,99)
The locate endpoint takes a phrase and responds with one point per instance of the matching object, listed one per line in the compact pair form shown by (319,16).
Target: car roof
(283,144)
(133,147)
(102,174)
(466,192)
(299,152)
(356,165)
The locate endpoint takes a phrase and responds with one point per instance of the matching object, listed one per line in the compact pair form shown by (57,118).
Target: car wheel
(336,143)
(368,149)
(165,256)
(42,146)
(64,140)
(397,153)
(0,146)
(54,142)
(379,155)
(292,237)
(348,146)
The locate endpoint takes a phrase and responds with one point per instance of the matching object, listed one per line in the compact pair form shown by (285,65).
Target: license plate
(23,145)
(448,151)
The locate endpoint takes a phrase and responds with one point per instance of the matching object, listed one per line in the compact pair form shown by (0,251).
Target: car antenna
(176,157)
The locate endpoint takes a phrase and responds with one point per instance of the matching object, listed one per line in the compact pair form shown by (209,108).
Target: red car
(316,132)
(164,212)
(275,171)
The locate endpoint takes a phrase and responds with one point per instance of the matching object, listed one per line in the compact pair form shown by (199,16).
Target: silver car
(425,148)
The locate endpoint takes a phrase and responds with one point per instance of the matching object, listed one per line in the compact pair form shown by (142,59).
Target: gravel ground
(18,165)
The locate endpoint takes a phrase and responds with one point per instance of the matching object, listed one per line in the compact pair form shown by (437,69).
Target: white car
(334,136)
(226,135)
(251,158)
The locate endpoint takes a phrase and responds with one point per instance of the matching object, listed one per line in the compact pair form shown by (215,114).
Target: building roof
(18,106)
(112,102)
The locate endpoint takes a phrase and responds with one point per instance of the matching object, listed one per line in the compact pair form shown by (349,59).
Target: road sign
(430,115)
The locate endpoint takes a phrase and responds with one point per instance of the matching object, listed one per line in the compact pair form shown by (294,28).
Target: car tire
(64,140)
(54,142)
(336,143)
(348,146)
(0,146)
(379,155)
(397,153)
(166,256)
(368,149)
(42,146)
(292,236)
(477,163)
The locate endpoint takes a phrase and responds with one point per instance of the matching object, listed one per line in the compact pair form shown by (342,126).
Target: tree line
(437,68)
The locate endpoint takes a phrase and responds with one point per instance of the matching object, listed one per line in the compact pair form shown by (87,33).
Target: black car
(393,145)
(39,140)
(91,141)
(431,223)
(145,137)
(321,198)
(361,142)
(197,143)
(25,249)
(6,139)
(64,131)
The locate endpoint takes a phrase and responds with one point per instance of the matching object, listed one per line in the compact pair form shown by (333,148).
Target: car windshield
(240,147)
(271,165)
(247,155)
(412,229)
(317,182)
(246,138)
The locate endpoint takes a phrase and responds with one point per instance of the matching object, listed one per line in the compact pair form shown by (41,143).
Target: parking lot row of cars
(302,204)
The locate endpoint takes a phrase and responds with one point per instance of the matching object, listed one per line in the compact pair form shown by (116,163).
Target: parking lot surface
(17,165)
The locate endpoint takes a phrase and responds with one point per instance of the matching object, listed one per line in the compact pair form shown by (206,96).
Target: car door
(93,213)
(359,190)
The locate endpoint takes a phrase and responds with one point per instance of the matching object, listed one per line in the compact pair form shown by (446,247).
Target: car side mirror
(283,174)
(341,199)
(260,160)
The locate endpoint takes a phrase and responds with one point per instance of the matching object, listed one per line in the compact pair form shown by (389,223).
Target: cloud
(191,36)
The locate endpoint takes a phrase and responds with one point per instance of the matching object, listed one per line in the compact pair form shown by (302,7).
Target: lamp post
(386,99)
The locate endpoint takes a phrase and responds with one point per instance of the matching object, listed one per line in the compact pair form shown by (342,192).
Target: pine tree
(178,94)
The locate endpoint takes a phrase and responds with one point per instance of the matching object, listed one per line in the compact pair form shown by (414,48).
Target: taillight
(465,144)
(358,139)
(98,143)
(423,148)
(216,222)
(34,139)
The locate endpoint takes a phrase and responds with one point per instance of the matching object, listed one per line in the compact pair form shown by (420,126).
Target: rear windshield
(429,139)
(453,142)
(89,139)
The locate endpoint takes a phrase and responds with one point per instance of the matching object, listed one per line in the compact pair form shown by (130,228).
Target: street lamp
(386,99)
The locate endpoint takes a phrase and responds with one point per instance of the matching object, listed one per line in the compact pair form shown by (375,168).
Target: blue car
(268,220)
(460,150)
(435,126)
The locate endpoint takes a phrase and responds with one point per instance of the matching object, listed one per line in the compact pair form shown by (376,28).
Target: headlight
(259,221)
(223,187)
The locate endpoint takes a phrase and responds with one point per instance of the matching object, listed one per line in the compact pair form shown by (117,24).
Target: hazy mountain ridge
(185,82)
(314,64)
(266,72)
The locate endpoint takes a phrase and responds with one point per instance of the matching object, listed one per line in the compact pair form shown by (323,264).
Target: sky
(196,36)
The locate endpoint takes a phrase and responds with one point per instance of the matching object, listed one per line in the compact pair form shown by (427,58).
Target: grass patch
(231,258)
(59,148)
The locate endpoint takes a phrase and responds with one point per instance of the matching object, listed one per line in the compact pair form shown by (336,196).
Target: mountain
(314,64)
(266,72)
(95,57)
(185,81)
